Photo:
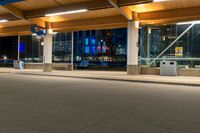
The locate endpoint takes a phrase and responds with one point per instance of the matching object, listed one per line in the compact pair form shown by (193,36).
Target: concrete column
(47,53)
(148,45)
(18,47)
(72,51)
(132,49)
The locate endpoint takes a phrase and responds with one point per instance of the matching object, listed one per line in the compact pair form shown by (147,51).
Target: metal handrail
(172,43)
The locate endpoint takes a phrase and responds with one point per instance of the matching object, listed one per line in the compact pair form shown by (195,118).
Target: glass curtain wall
(92,49)
(8,51)
(155,39)
(62,47)
(31,49)
(101,49)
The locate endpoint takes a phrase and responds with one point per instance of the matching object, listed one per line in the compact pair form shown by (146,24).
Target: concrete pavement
(45,104)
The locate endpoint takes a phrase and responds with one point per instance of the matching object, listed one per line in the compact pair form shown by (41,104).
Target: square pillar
(132,49)
(47,51)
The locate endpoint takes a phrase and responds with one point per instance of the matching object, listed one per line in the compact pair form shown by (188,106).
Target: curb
(4,72)
(112,79)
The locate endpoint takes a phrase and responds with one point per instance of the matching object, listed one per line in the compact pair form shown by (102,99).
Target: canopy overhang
(101,14)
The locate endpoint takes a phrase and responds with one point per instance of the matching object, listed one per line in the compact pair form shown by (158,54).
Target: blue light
(93,41)
(87,50)
(21,47)
(86,41)
(93,49)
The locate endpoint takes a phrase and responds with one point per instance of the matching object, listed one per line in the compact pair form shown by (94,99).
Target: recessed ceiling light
(160,0)
(67,12)
(3,20)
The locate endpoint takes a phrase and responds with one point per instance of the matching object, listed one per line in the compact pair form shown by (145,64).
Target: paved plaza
(44,104)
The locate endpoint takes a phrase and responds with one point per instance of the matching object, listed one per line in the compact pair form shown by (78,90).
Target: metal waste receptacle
(168,68)
(18,64)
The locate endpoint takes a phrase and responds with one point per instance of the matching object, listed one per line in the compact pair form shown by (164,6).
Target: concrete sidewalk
(115,76)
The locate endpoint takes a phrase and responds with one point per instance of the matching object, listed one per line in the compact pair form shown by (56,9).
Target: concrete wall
(150,71)
(62,66)
(189,72)
(55,66)
(33,66)
(143,70)
(181,71)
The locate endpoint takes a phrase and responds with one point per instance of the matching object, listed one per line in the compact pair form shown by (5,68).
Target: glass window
(62,46)
(102,49)
(31,49)
(8,51)
(154,39)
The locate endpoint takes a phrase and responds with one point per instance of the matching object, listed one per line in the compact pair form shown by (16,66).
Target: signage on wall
(178,51)
(38,30)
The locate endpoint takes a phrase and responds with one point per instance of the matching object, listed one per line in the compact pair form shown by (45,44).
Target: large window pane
(155,39)
(62,47)
(101,49)
(31,49)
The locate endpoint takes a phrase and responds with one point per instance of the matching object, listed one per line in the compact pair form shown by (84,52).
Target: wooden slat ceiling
(85,15)
(169,11)
(15,23)
(3,10)
(38,4)
(165,5)
(99,10)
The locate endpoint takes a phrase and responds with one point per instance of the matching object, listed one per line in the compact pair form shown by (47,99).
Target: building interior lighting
(67,12)
(42,43)
(137,24)
(50,31)
(3,20)
(189,22)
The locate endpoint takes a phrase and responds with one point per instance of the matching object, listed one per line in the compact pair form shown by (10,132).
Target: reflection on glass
(154,39)
(31,50)
(62,46)
(101,49)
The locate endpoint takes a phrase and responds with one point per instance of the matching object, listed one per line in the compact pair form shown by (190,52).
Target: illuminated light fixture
(34,34)
(3,20)
(160,0)
(50,31)
(42,43)
(137,24)
(5,57)
(149,30)
(67,12)
(190,22)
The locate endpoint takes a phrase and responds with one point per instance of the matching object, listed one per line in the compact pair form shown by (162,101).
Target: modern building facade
(101,49)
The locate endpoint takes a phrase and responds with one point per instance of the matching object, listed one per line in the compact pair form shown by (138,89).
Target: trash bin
(18,64)
(168,68)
